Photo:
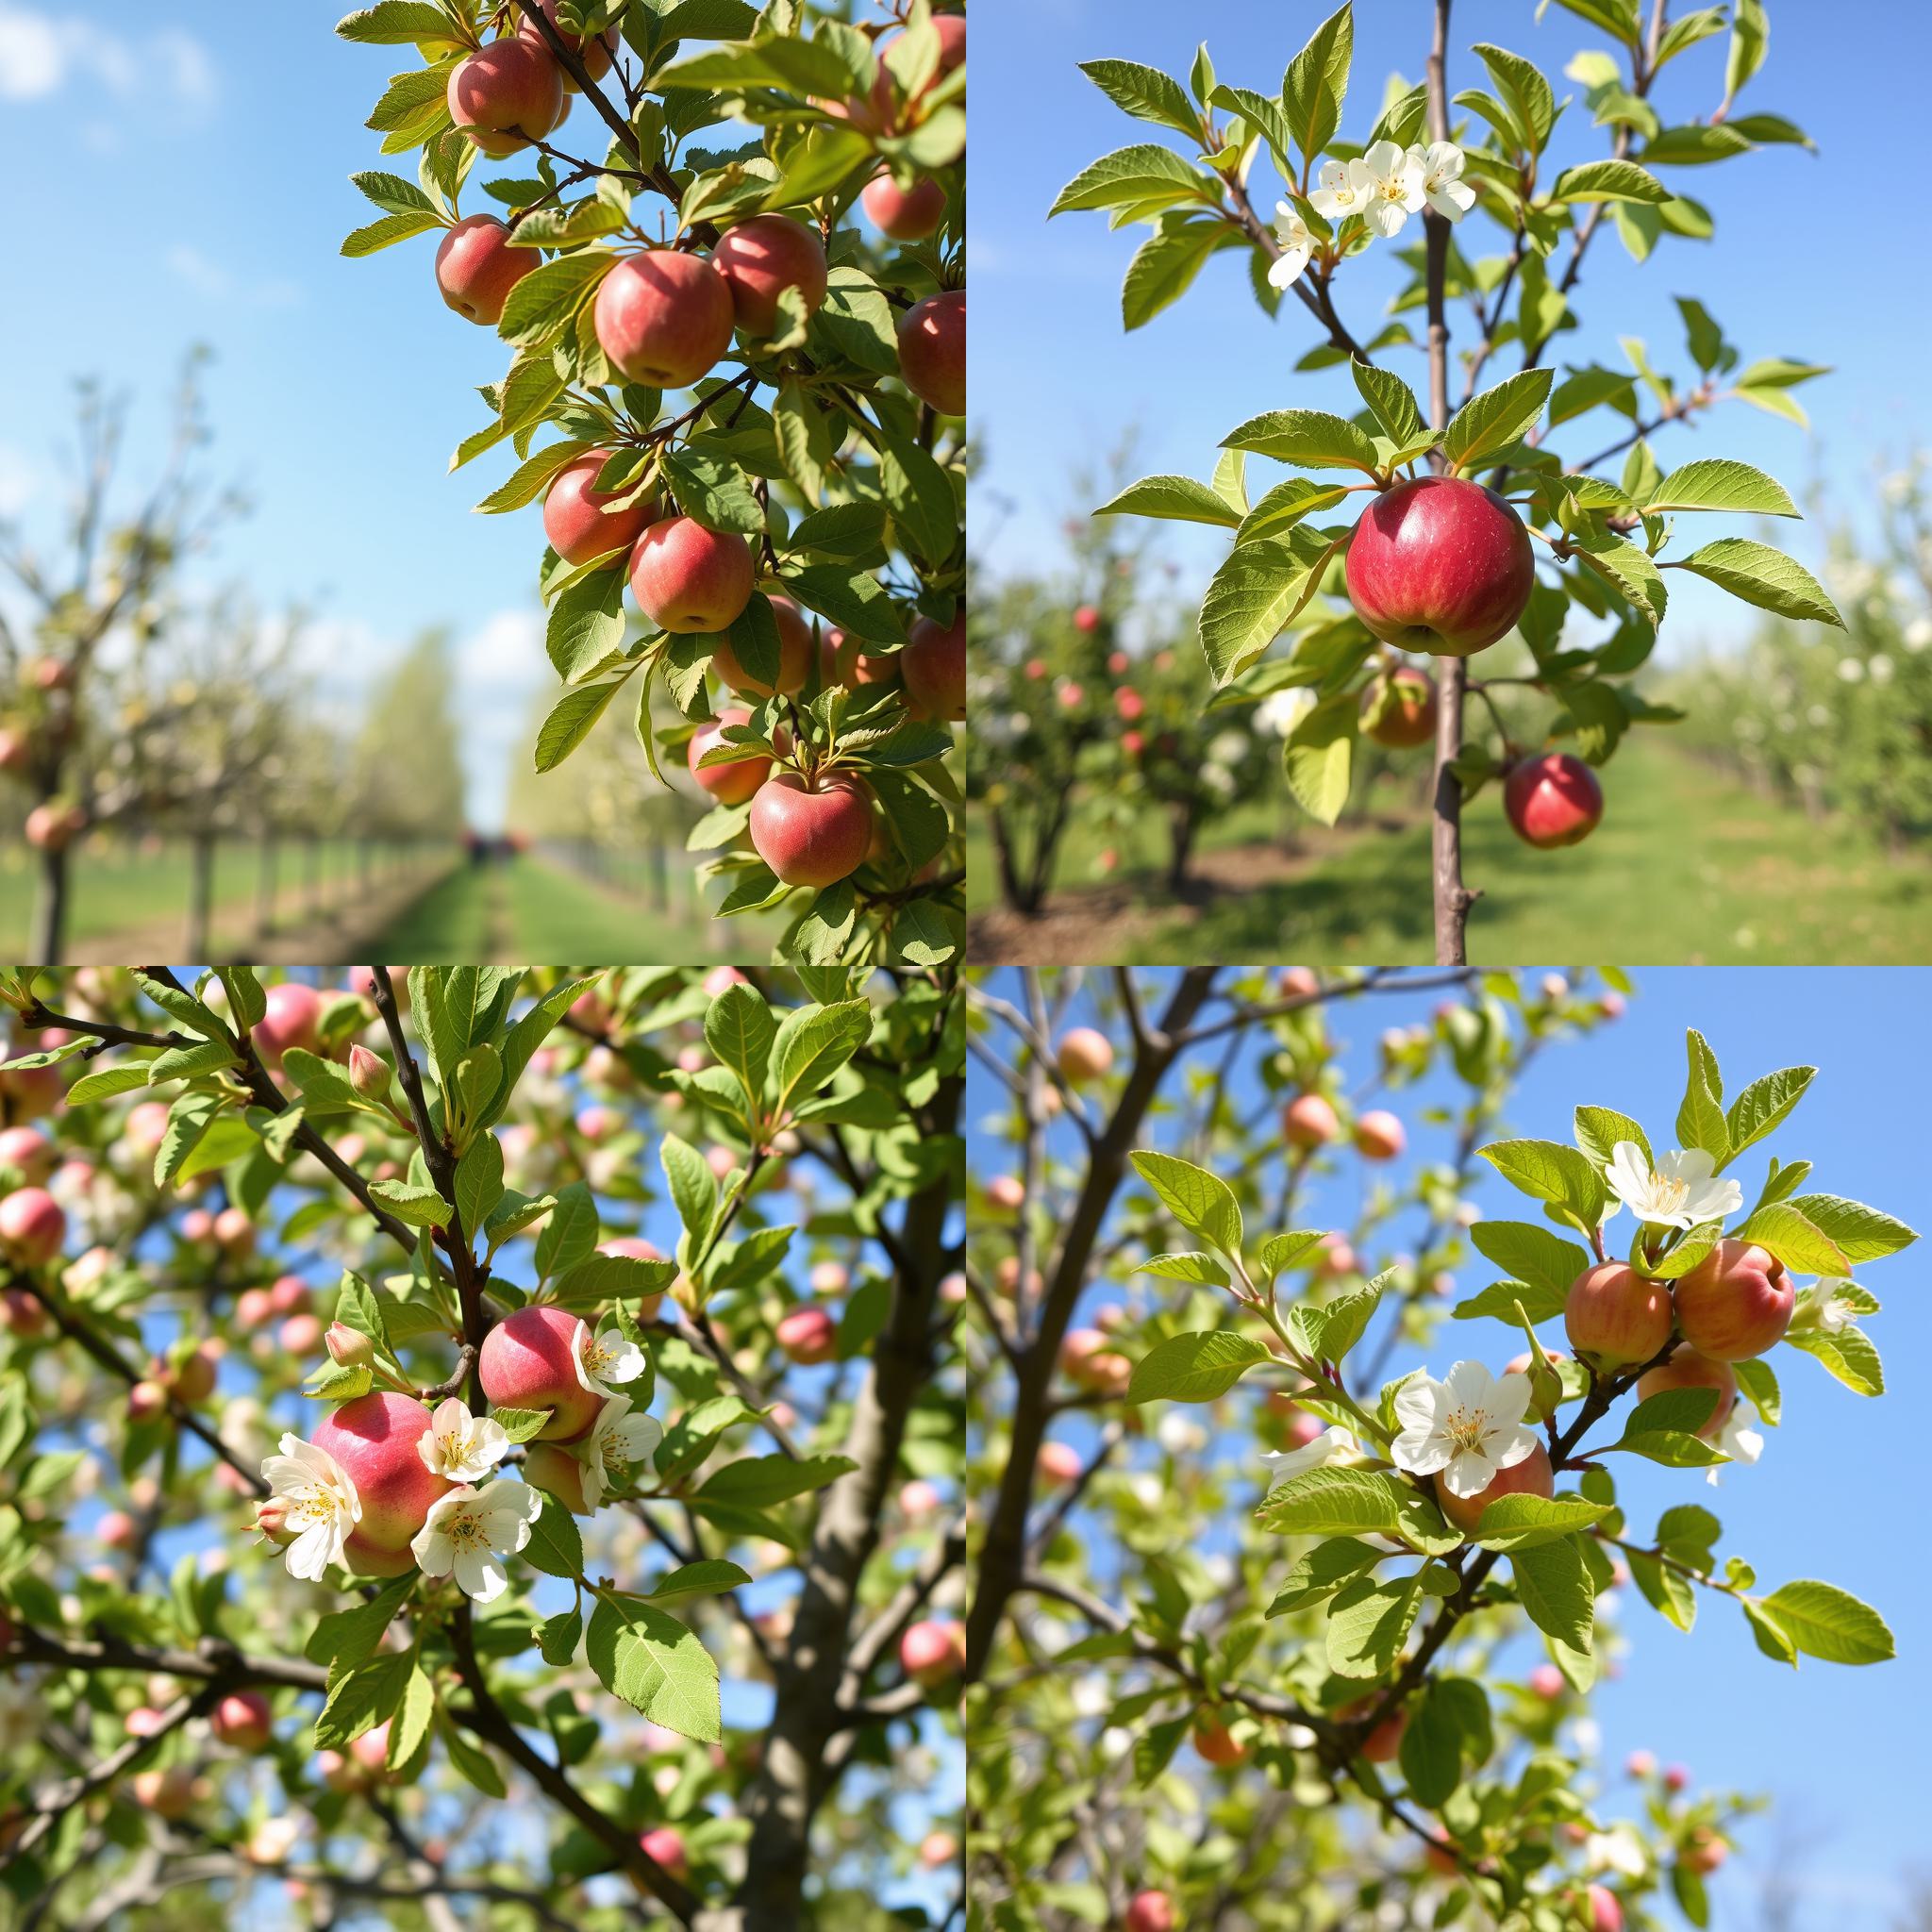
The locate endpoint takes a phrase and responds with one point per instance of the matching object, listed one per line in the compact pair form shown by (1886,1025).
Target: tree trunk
(49,941)
(1183,826)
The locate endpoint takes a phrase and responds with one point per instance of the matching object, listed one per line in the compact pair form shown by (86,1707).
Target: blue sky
(1840,1750)
(1806,262)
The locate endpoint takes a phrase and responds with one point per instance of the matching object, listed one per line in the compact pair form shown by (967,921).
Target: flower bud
(369,1072)
(348,1348)
(272,1519)
(146,1400)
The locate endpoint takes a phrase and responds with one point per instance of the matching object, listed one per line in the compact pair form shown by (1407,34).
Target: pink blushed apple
(1689,1369)
(526,1362)
(374,1439)
(906,214)
(507,95)
(1616,1317)
(687,579)
(932,351)
(663,317)
(580,522)
(794,655)
(761,258)
(1736,1303)
(1532,1476)
(933,1652)
(732,783)
(934,667)
(477,265)
(811,831)
(1552,800)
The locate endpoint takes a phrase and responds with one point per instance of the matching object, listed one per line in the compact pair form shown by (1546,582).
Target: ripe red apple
(729,784)
(477,265)
(808,1334)
(663,317)
(933,1651)
(1616,1317)
(666,1845)
(760,258)
(527,1363)
(242,1720)
(1399,709)
(596,51)
(577,518)
(1439,564)
(932,351)
(934,667)
(374,1439)
(1604,1911)
(1083,1053)
(1149,1911)
(294,1019)
(1309,1121)
(1688,1369)
(1216,1743)
(1532,1476)
(688,579)
(507,95)
(32,1227)
(794,654)
(811,831)
(28,1152)
(1379,1136)
(1736,1303)
(1553,800)
(1056,1465)
(906,214)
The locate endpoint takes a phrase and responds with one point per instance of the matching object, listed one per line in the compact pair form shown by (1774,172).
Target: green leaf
(1548,1170)
(544,303)
(1496,417)
(1764,1104)
(1316,84)
(1553,1584)
(755,1482)
(1193,1367)
(556,1545)
(1720,484)
(1825,1622)
(1367,1622)
(1318,757)
(1531,1252)
(1610,180)
(361,1698)
(1203,1269)
(1782,1229)
(812,1044)
(656,1665)
(418,1206)
(1179,498)
(1145,92)
(389,230)
(1392,400)
(708,1578)
(1310,439)
(408,1731)
(1701,1116)
(586,625)
(1598,1130)
(1849,1355)
(1255,595)
(1202,1203)
(472,1763)
(1764,576)
(392,22)
(1522,1522)
(1858,1232)
(348,1635)
(1141,176)
(738,1029)
(1164,266)
(571,721)
(1356,1503)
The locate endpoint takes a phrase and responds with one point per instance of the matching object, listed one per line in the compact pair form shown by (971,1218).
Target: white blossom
(469,1532)
(1681,1191)
(1297,245)
(1466,1428)
(1394,186)
(1618,1850)
(1341,190)
(1284,1465)
(1443,187)
(321,1506)
(619,1444)
(1738,1441)
(1835,1313)
(461,1446)
(1282,711)
(604,1358)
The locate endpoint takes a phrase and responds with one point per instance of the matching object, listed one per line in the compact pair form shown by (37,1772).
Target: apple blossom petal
(1421,1452)
(1507,1447)
(1468,1473)
(1417,1401)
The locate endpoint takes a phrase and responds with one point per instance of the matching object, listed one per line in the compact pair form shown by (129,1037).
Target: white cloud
(207,277)
(41,54)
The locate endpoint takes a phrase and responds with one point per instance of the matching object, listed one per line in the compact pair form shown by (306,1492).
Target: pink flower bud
(272,1519)
(369,1072)
(348,1348)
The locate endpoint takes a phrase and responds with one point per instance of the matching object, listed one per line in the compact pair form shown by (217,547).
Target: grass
(1689,868)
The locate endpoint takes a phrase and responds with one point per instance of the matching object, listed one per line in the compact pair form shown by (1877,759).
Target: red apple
(934,667)
(1688,1369)
(808,1334)
(734,783)
(906,214)
(1616,1316)
(761,258)
(52,827)
(811,832)
(1399,709)
(1216,1743)
(688,579)
(28,1152)
(507,95)
(374,1439)
(477,265)
(32,1227)
(577,517)
(663,317)
(294,1019)
(666,1847)
(1309,1121)
(1736,1303)
(526,1362)
(1083,1053)
(1553,800)
(932,351)
(933,1651)
(794,654)
(1149,1911)
(1439,564)
(242,1720)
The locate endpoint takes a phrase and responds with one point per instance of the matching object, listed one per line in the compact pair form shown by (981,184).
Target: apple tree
(733,400)
(481,1442)
(1305,1546)
(1481,519)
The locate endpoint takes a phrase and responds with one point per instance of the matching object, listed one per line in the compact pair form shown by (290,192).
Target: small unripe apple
(244,1720)
(1084,1054)
(507,95)
(578,518)
(633,1247)
(933,1651)
(526,1362)
(1056,1465)
(688,579)
(1553,800)
(733,783)
(932,351)
(933,665)
(193,1379)
(288,1295)
(906,214)
(918,1498)
(808,1334)
(168,1793)
(32,1227)
(16,752)
(596,51)
(1398,709)
(666,1845)
(1308,1122)
(761,258)
(371,1751)
(294,1019)
(1216,1743)
(477,265)
(1546,1681)
(1005,1193)
(1736,1303)
(794,655)
(811,832)
(1149,1911)
(299,1335)
(663,317)
(938,1849)
(1439,564)
(374,1439)
(1688,1369)
(1085,619)
(1603,1911)
(1616,1317)
(1379,1136)
(1090,1359)
(1532,1476)
(234,1233)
